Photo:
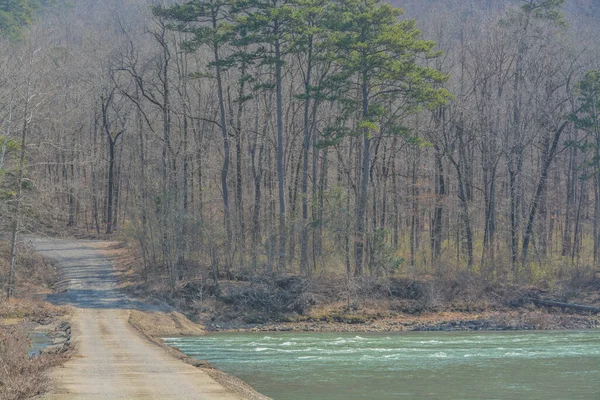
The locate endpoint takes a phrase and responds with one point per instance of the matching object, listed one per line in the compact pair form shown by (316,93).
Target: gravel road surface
(113,360)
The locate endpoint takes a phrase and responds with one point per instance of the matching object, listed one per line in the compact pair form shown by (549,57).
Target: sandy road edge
(231,383)
(152,325)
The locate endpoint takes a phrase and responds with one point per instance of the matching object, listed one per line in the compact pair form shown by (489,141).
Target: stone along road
(113,360)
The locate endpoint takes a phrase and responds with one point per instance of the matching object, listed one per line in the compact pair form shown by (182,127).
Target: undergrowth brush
(265,296)
(22,376)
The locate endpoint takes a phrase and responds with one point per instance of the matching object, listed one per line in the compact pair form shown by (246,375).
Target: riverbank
(176,324)
(413,305)
(515,320)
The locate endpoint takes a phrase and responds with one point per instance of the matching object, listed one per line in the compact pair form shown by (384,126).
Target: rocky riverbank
(60,337)
(446,321)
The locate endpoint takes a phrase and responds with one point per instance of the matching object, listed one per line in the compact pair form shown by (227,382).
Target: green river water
(516,365)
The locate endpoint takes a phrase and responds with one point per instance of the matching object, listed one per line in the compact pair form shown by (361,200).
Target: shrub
(272,295)
(22,376)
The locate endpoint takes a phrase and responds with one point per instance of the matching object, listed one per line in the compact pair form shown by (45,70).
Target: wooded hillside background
(235,137)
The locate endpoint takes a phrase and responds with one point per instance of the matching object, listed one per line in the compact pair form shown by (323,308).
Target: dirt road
(113,360)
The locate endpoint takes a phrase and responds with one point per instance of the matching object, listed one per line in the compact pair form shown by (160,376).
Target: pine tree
(381,58)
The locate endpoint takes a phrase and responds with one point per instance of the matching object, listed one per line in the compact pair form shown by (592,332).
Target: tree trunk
(226,153)
(239,200)
(257,172)
(305,153)
(280,152)
(597,193)
(111,140)
(361,206)
(438,217)
(570,203)
(10,290)
(94,178)
(540,189)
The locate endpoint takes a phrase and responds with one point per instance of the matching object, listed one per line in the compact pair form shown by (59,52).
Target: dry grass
(31,310)
(22,376)
(34,274)
(36,277)
(158,323)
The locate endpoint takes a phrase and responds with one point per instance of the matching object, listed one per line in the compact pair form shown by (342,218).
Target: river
(503,365)
(38,341)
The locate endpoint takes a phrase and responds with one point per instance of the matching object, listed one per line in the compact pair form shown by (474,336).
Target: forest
(228,139)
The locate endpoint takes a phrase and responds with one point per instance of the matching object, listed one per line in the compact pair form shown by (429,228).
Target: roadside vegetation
(22,375)
(334,302)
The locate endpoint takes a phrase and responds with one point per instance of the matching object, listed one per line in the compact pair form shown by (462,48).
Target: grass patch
(32,310)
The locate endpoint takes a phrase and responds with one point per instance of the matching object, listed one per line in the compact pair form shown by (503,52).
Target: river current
(495,365)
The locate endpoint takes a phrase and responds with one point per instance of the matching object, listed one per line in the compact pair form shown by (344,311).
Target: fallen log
(578,307)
